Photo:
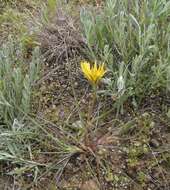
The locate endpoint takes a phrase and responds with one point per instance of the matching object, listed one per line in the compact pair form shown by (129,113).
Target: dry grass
(60,37)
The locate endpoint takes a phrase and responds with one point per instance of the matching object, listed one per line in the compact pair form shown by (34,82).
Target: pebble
(154,143)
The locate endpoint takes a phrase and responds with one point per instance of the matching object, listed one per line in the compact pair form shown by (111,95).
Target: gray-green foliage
(133,36)
(49,10)
(17,77)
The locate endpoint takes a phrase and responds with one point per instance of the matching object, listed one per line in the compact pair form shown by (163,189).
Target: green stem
(90,112)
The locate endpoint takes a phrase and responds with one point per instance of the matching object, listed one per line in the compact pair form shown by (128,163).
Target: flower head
(94,73)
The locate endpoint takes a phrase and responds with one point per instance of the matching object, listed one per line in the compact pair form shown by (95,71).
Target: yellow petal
(85,66)
(94,73)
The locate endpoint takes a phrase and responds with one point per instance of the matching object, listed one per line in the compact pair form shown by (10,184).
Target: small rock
(90,185)
(154,143)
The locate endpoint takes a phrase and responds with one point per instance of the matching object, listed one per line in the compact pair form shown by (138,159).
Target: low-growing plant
(48,10)
(17,76)
(132,37)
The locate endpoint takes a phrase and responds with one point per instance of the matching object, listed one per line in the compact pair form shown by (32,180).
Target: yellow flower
(94,73)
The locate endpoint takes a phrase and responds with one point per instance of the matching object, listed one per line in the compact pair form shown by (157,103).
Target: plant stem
(90,111)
